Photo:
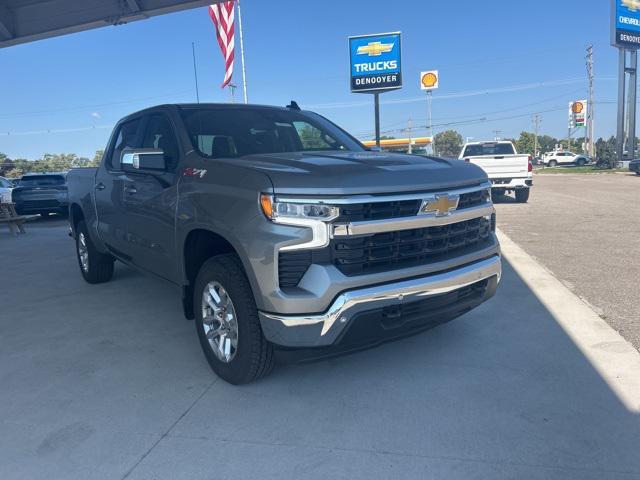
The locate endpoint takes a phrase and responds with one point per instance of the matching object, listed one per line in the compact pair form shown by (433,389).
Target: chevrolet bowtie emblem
(442,204)
(374,49)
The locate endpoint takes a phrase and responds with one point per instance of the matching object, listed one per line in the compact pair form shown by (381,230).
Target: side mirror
(144,159)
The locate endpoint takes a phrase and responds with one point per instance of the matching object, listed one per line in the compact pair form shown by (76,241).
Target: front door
(150,203)
(109,187)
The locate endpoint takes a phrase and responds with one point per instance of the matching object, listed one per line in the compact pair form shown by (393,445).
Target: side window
(159,134)
(125,138)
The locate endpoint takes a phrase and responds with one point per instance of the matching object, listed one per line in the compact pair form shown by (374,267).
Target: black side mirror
(150,160)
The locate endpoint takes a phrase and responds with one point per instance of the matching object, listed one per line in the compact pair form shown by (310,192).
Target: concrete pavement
(108,381)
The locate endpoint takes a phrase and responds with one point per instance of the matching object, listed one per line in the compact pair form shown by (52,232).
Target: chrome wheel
(220,321)
(83,252)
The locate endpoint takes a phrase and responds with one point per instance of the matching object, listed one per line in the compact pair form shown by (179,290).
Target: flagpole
(244,71)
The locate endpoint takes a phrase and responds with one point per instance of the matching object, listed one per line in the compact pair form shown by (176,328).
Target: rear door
(150,202)
(109,189)
(497,159)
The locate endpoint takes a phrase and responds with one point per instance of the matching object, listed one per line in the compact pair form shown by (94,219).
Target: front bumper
(327,329)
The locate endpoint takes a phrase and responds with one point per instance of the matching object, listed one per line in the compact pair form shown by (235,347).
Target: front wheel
(227,322)
(522,195)
(95,267)
(552,163)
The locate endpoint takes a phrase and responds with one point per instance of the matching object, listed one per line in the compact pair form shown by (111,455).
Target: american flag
(223,19)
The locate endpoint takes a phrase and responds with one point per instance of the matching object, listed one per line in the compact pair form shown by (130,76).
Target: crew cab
(283,233)
(507,170)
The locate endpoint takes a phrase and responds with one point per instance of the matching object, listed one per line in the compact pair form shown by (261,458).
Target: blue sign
(376,62)
(625,23)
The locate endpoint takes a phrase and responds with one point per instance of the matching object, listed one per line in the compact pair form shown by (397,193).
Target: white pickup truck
(508,171)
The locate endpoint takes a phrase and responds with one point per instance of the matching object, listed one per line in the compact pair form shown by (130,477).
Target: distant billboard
(376,62)
(577,113)
(625,23)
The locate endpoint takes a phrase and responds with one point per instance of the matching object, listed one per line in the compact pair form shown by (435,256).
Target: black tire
(552,163)
(99,266)
(522,195)
(581,162)
(253,358)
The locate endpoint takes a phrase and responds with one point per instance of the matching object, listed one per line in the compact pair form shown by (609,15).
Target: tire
(99,266)
(552,163)
(522,195)
(581,162)
(252,356)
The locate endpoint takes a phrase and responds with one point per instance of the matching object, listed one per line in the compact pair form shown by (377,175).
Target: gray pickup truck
(285,235)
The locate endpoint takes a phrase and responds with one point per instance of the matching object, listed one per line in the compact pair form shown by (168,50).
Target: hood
(349,173)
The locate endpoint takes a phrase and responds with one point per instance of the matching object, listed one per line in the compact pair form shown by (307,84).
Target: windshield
(488,149)
(235,132)
(41,181)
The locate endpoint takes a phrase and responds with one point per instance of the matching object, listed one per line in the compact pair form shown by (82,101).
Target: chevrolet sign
(375,62)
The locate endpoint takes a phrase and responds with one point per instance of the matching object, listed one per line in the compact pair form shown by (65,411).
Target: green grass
(591,169)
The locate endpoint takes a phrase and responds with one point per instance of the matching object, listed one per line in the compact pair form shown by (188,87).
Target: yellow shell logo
(429,79)
(577,107)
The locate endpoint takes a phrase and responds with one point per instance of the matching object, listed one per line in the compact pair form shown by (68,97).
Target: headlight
(284,212)
(315,216)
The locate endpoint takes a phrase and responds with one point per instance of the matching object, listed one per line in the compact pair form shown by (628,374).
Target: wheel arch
(198,246)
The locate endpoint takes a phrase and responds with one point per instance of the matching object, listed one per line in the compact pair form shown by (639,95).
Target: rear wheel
(95,267)
(581,162)
(522,195)
(552,163)
(227,322)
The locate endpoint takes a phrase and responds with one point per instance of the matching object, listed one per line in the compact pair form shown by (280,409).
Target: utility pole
(590,104)
(410,151)
(430,117)
(496,135)
(536,128)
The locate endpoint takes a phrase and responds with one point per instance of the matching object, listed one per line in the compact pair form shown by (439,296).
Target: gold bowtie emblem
(441,204)
(374,49)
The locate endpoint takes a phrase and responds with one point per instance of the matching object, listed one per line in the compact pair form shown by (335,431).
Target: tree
(526,143)
(6,164)
(448,143)
(546,143)
(97,158)
(606,153)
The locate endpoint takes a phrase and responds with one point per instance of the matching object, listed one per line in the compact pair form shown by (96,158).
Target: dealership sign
(625,23)
(577,113)
(375,62)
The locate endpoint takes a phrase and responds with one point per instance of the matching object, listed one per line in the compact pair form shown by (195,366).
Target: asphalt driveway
(586,230)
(108,381)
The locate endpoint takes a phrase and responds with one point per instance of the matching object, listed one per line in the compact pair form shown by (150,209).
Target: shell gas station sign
(577,113)
(429,80)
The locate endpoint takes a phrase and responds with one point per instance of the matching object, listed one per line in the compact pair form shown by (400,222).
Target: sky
(500,62)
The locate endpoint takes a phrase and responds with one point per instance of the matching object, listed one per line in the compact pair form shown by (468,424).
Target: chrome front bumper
(323,329)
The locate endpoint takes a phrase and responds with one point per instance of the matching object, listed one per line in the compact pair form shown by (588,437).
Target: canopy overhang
(23,21)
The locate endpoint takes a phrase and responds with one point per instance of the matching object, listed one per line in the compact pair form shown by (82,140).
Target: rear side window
(126,137)
(42,181)
(488,149)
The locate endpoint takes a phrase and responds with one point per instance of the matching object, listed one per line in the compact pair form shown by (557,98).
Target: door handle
(131,190)
(100,186)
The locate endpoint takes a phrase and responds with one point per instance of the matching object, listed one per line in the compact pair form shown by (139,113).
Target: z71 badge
(194,172)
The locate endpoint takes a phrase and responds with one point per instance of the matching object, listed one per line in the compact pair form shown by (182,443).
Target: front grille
(361,212)
(405,248)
